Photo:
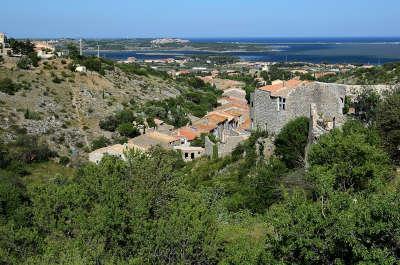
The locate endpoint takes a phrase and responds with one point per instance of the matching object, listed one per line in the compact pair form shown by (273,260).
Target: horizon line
(205,37)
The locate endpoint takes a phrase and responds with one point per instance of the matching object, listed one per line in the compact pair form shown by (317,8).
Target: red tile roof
(188,133)
(280,86)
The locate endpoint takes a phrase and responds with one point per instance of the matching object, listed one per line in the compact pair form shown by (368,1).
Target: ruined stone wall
(328,98)
(226,148)
(209,147)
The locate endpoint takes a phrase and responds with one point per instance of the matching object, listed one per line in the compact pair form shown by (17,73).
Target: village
(269,107)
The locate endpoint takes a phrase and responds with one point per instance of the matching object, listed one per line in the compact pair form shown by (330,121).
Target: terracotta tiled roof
(281,86)
(188,133)
(204,128)
(246,124)
(234,112)
(216,118)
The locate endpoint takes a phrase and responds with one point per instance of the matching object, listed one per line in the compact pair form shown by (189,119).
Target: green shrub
(24,63)
(109,123)
(30,149)
(34,59)
(291,142)
(31,115)
(100,142)
(200,141)
(388,124)
(64,160)
(8,86)
(348,159)
(128,130)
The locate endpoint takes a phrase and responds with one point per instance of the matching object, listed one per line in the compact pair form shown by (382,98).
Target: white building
(80,69)
(190,153)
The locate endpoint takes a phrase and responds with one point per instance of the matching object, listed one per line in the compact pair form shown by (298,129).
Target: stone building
(190,153)
(2,42)
(271,107)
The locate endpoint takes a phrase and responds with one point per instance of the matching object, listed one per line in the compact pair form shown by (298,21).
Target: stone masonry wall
(328,99)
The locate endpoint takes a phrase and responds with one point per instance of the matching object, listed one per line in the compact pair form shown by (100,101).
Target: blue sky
(199,18)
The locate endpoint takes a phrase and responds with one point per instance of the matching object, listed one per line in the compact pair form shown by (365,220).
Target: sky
(199,18)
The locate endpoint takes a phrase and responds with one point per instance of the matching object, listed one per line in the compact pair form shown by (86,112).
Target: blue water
(314,50)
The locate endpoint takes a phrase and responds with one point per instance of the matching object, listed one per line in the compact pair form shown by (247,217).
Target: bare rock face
(45,126)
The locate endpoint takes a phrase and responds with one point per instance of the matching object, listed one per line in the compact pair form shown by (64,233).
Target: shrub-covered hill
(66,106)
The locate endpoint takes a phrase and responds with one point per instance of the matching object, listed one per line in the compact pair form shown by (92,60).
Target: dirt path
(78,111)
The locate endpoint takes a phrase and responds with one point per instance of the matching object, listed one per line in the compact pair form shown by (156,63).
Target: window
(186,155)
(192,155)
(341,100)
(281,103)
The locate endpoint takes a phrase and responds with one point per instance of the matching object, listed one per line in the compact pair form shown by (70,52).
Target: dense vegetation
(27,51)
(196,98)
(388,73)
(244,209)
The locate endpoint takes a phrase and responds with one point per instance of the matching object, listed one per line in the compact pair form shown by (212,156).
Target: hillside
(65,106)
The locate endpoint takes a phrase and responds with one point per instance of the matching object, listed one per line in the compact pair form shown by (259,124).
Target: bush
(8,86)
(388,124)
(110,124)
(366,105)
(291,142)
(30,149)
(348,159)
(200,141)
(124,116)
(100,143)
(31,115)
(64,160)
(128,130)
(34,59)
(24,63)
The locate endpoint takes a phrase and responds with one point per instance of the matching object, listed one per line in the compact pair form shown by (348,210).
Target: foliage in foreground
(155,209)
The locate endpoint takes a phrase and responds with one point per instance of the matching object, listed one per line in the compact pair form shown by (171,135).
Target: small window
(192,155)
(282,103)
(342,100)
(186,155)
(252,104)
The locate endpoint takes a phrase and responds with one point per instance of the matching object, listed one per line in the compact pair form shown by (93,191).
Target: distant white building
(80,69)
(2,43)
(2,38)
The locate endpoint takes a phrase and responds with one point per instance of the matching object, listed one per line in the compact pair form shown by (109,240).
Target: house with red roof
(273,106)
